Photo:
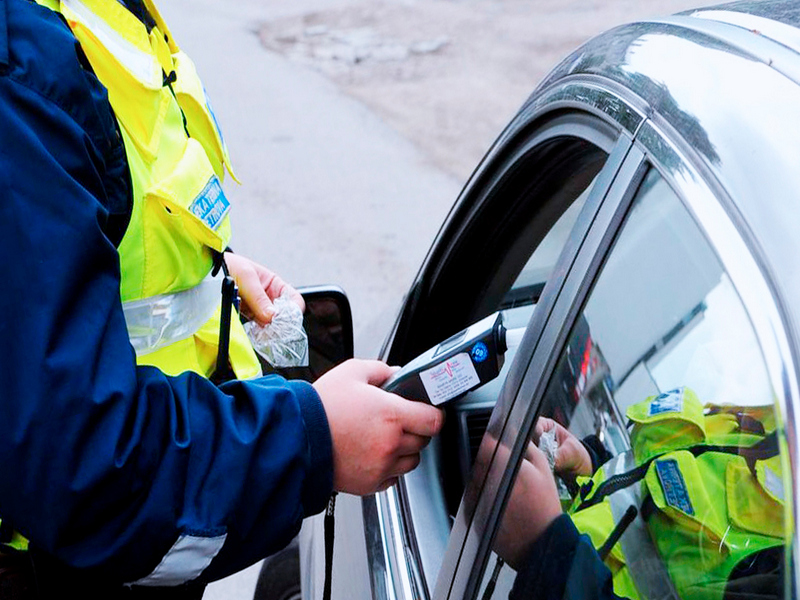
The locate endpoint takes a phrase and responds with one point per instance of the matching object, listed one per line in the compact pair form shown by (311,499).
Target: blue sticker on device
(675,492)
(211,205)
(667,402)
(480,352)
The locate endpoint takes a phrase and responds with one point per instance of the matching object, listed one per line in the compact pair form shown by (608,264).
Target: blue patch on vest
(671,401)
(211,205)
(675,492)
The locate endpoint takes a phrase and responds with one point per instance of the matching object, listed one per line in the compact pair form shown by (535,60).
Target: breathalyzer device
(458,365)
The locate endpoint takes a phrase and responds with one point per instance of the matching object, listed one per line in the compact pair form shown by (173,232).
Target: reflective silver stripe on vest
(185,561)
(647,570)
(144,66)
(162,320)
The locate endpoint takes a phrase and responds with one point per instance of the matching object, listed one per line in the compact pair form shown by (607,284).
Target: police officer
(693,511)
(123,468)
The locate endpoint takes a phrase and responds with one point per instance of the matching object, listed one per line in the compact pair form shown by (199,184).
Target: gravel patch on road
(448,74)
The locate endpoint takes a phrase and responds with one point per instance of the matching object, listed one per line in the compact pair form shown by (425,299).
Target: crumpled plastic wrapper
(548,445)
(283,342)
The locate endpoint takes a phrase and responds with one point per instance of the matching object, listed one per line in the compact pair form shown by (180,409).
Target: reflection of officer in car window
(694,510)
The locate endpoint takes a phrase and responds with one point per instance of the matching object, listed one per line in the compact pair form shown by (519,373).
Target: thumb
(376,372)
(263,308)
(419,418)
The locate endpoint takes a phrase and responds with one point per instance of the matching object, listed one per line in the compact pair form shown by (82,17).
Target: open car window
(540,196)
(659,425)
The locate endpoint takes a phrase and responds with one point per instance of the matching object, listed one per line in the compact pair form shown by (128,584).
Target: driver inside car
(693,510)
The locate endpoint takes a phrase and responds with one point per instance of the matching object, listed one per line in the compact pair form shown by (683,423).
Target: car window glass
(659,422)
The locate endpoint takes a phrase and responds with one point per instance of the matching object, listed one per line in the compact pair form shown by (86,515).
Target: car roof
(724,81)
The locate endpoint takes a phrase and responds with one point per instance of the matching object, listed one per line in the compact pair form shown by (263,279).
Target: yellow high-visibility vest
(177,160)
(707,484)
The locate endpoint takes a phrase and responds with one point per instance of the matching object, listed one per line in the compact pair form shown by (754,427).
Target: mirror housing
(328,322)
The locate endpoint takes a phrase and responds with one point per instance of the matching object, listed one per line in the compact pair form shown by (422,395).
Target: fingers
(415,418)
(543,425)
(274,286)
(387,484)
(254,296)
(419,418)
(259,287)
(537,458)
(377,436)
(373,372)
(412,444)
(406,464)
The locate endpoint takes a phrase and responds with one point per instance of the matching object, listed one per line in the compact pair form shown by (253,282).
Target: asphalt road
(353,126)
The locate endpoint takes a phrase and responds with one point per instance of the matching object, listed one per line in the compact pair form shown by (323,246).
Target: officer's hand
(258,288)
(377,436)
(533,505)
(571,457)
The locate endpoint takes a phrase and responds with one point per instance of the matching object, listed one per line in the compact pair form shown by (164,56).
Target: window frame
(655,146)
(396,565)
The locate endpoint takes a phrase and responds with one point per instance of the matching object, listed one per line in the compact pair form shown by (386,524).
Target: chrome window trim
(716,215)
(586,93)
(596,95)
(389,567)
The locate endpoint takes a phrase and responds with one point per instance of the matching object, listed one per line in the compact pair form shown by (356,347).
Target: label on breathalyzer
(450,378)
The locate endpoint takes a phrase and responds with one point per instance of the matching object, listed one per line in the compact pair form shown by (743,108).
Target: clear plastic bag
(548,445)
(283,342)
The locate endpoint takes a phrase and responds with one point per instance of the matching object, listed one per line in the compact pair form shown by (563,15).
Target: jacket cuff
(544,572)
(319,480)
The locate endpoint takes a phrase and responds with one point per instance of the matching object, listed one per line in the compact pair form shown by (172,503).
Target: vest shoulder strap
(766,448)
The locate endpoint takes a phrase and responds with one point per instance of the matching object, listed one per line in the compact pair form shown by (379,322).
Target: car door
(664,306)
(564,229)
(514,233)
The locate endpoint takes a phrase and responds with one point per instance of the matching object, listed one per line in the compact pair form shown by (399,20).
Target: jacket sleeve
(105,465)
(563,565)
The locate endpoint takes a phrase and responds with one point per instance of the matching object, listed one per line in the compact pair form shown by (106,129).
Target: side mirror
(328,321)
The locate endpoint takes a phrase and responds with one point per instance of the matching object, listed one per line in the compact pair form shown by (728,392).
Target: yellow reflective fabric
(597,522)
(177,160)
(756,503)
(679,416)
(701,549)
(710,510)
(17,542)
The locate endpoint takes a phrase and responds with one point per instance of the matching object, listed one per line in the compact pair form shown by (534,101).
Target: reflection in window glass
(659,425)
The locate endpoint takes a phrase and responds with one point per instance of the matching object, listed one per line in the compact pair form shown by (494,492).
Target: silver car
(637,226)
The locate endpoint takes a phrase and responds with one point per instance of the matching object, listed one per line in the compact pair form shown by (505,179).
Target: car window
(517,306)
(530,282)
(537,200)
(658,421)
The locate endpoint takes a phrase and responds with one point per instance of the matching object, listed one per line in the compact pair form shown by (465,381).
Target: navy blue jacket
(104,464)
(563,565)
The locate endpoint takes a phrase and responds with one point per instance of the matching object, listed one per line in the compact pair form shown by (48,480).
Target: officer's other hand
(258,288)
(571,457)
(377,436)
(532,507)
